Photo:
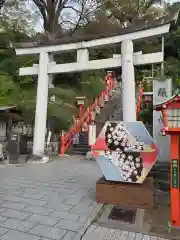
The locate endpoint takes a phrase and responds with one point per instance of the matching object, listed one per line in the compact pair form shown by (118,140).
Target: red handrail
(140,98)
(66,139)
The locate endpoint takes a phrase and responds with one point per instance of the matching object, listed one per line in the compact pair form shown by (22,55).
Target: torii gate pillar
(41,105)
(128,81)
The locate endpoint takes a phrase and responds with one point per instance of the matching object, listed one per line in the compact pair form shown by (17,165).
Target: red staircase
(66,138)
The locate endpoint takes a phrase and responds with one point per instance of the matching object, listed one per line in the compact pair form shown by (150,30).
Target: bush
(61,112)
(146,115)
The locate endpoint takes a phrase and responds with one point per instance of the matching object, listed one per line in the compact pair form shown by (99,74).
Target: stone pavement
(102,233)
(53,201)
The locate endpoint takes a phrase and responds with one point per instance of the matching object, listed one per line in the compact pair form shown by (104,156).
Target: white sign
(3,127)
(161,90)
(92,134)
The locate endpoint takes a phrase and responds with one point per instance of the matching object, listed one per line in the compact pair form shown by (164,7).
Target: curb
(93,216)
(40,161)
(63,155)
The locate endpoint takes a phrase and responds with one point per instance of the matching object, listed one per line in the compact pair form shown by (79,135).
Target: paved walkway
(48,201)
(101,233)
(54,201)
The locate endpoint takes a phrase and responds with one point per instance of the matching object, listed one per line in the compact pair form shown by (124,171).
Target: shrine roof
(137,25)
(168,101)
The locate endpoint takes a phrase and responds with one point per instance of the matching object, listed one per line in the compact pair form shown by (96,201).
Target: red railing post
(62,150)
(77,122)
(88,115)
(80,111)
(101,102)
(138,106)
(103,95)
(110,88)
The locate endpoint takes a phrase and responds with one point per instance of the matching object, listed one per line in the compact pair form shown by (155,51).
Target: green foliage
(91,84)
(61,115)
(88,84)
(12,94)
(8,90)
(145,115)
(128,10)
(172,44)
(172,55)
(64,94)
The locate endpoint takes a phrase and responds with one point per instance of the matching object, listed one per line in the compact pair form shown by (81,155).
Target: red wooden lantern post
(80,103)
(171,118)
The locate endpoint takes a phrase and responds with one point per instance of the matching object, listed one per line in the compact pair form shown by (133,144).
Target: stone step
(81,146)
(83,138)
(83,142)
(77,151)
(80,149)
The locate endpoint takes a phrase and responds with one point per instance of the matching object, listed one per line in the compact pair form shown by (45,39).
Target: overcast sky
(171,1)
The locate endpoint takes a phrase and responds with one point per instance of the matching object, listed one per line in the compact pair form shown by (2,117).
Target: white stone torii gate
(127,60)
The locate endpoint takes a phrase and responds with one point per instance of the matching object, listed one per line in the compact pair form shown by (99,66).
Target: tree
(21,91)
(127,11)
(60,15)
(13,90)
(17,17)
(2,3)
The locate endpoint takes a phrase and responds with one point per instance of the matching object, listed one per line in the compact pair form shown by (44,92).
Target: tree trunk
(2,3)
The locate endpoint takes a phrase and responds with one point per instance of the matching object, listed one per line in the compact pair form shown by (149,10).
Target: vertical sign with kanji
(161,90)
(175,173)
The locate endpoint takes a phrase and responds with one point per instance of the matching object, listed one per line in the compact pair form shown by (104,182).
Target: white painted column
(51,84)
(83,57)
(41,105)
(128,81)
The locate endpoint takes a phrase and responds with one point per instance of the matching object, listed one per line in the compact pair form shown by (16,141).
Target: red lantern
(171,118)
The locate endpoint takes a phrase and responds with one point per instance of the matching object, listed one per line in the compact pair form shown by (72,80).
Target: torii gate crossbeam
(84,64)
